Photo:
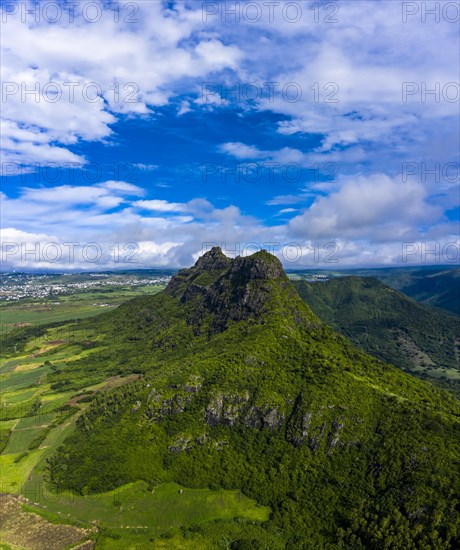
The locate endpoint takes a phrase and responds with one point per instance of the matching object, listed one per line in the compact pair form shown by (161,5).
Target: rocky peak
(213,260)
(230,290)
(260,265)
(214,268)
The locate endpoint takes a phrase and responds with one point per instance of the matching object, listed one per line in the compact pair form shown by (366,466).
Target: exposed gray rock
(194,385)
(230,410)
(174,405)
(153,396)
(315,442)
(231,290)
(272,419)
(185,443)
(226,410)
(213,412)
(333,437)
(180,445)
(212,261)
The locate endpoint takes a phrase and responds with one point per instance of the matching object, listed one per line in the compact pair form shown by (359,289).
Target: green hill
(389,325)
(243,387)
(439,288)
(436,286)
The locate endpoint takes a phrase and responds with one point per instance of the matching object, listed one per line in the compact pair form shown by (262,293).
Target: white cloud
(375,207)
(99,71)
(160,206)
(146,167)
(285,199)
(242,151)
(184,108)
(122,186)
(362,60)
(283,156)
(165,239)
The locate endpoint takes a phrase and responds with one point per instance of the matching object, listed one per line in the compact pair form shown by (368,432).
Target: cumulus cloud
(285,155)
(80,76)
(161,233)
(374,207)
(361,223)
(350,74)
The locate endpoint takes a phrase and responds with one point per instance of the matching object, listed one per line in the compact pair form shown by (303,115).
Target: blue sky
(167,126)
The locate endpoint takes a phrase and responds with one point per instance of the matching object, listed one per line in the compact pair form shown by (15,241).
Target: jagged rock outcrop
(228,410)
(227,290)
(213,260)
(334,434)
(211,263)
(185,443)
(300,438)
(225,410)
(315,441)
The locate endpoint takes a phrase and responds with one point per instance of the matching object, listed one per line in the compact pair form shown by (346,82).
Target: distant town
(18,286)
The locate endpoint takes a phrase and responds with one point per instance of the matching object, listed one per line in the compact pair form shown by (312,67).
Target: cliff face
(214,267)
(207,268)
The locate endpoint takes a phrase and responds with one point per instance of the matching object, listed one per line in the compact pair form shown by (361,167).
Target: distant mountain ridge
(435,286)
(440,289)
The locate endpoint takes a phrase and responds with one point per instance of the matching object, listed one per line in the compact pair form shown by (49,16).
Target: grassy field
(166,507)
(134,515)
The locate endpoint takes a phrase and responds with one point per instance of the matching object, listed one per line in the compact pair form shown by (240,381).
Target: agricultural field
(27,312)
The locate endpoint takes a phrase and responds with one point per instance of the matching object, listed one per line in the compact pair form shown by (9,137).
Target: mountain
(438,288)
(435,286)
(389,325)
(241,386)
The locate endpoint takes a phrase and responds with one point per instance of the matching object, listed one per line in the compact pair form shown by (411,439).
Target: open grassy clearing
(16,468)
(20,439)
(41,420)
(166,507)
(8,366)
(18,396)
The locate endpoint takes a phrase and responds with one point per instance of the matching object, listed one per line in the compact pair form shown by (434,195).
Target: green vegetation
(4,437)
(160,508)
(277,430)
(390,326)
(435,286)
